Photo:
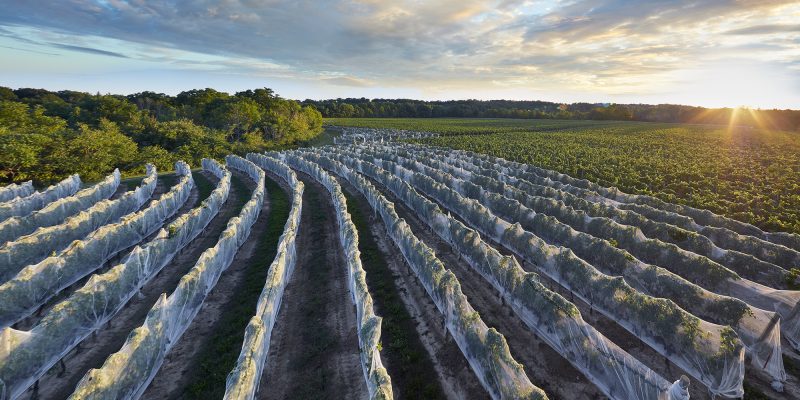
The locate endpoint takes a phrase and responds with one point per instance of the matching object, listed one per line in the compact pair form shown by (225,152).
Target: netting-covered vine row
(13,191)
(36,284)
(695,268)
(552,317)
(711,353)
(22,206)
(243,381)
(485,349)
(699,216)
(27,355)
(127,373)
(369,325)
(745,265)
(57,211)
(50,241)
(760,330)
(721,230)
(363,135)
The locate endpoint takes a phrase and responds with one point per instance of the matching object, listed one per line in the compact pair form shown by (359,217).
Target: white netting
(724,232)
(127,373)
(20,207)
(758,329)
(57,211)
(702,271)
(370,135)
(50,241)
(36,284)
(244,379)
(26,355)
(553,318)
(12,191)
(746,265)
(699,216)
(713,354)
(369,325)
(485,349)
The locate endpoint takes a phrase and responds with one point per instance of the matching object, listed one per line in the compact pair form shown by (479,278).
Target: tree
(289,122)
(236,116)
(26,136)
(264,97)
(7,94)
(156,155)
(251,142)
(94,152)
(195,103)
(47,135)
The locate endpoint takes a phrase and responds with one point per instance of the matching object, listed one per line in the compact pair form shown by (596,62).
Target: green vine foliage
(752,175)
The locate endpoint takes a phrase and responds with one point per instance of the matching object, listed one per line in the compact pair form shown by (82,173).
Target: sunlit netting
(127,373)
(50,241)
(20,207)
(737,252)
(369,325)
(12,191)
(36,284)
(57,211)
(699,216)
(725,232)
(243,381)
(758,329)
(366,135)
(553,318)
(711,353)
(746,265)
(697,269)
(27,355)
(485,349)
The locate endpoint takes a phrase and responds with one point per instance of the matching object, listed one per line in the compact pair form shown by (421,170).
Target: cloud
(87,50)
(348,81)
(765,29)
(29,50)
(605,46)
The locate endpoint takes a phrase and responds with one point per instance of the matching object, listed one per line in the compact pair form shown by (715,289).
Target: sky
(710,53)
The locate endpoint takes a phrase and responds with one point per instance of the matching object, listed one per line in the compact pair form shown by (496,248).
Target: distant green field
(463,126)
(749,174)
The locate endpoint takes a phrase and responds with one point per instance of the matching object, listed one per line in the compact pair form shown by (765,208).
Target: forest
(45,135)
(786,120)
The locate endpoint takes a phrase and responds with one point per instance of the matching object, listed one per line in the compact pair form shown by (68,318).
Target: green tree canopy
(47,135)
(93,152)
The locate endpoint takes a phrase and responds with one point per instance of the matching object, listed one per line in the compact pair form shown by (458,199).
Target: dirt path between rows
(452,369)
(544,366)
(174,377)
(314,350)
(94,350)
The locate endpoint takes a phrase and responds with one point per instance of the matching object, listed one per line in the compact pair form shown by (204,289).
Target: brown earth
(314,350)
(453,371)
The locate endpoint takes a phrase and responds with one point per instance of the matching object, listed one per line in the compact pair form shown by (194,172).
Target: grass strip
(405,357)
(318,338)
(204,187)
(220,353)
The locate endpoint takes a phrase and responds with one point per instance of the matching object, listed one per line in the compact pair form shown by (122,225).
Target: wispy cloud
(29,50)
(600,46)
(765,29)
(87,50)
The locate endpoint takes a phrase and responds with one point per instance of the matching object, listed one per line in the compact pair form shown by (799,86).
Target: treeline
(788,120)
(47,135)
